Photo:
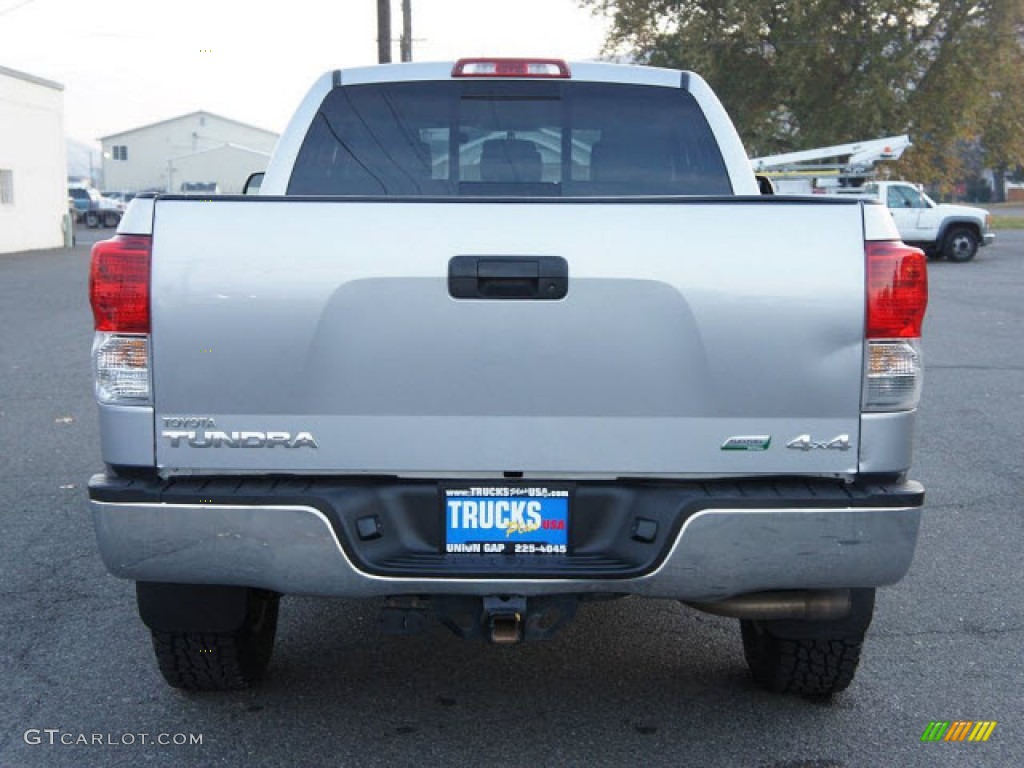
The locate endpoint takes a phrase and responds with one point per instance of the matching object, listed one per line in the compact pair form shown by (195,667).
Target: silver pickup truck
(494,338)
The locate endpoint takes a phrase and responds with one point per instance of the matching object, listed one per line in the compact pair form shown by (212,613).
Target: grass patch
(1007,222)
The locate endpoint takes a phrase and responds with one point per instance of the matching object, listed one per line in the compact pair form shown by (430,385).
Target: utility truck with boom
(495,338)
(954,232)
(941,230)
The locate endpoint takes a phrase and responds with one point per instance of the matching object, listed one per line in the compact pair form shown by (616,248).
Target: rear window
(509,138)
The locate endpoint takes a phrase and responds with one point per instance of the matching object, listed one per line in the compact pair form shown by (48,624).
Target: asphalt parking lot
(628,683)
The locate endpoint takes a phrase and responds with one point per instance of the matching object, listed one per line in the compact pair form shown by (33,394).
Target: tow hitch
(498,619)
(503,623)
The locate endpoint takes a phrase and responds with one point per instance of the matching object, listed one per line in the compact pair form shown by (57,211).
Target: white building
(228,166)
(33,185)
(197,148)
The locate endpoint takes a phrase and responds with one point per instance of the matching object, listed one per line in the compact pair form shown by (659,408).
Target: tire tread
(809,667)
(219,661)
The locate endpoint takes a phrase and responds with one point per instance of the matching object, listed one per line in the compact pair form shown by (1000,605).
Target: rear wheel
(812,658)
(111,220)
(961,244)
(92,220)
(221,661)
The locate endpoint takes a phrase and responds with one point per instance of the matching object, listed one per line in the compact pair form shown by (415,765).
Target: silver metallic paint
(279,170)
(887,442)
(718,553)
(126,435)
(663,348)
(878,223)
(137,218)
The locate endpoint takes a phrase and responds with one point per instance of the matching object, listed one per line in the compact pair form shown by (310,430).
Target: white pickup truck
(943,231)
(494,338)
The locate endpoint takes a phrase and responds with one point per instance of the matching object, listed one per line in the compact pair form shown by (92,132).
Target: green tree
(807,73)
(1002,121)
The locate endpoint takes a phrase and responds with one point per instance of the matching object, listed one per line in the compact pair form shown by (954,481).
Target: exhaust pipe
(824,605)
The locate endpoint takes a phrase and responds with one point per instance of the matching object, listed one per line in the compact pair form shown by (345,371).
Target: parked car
(121,198)
(93,209)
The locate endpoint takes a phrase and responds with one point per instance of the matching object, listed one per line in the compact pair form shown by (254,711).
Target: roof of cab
(580,71)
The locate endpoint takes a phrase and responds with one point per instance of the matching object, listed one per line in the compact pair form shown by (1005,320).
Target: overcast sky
(125,63)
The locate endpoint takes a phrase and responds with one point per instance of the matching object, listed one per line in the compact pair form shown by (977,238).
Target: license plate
(506,520)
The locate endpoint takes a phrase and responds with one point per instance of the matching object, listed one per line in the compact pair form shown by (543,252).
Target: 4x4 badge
(804,443)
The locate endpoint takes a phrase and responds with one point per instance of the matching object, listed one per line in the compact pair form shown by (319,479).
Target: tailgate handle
(508,277)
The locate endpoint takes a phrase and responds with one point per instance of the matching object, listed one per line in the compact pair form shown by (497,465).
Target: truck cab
(947,231)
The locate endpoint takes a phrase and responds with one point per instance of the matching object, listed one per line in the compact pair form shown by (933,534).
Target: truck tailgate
(686,324)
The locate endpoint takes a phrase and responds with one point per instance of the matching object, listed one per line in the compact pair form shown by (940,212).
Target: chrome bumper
(988,238)
(717,553)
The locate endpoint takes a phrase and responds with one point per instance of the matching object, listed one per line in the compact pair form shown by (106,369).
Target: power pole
(406,41)
(384,31)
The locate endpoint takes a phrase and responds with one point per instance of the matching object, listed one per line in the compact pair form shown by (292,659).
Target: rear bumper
(713,540)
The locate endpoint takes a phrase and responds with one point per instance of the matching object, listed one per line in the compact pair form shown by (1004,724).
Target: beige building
(33,174)
(197,148)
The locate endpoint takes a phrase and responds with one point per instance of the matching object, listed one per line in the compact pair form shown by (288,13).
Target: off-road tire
(810,658)
(221,661)
(961,244)
(807,667)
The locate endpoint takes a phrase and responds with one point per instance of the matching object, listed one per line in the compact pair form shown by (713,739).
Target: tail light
(897,297)
(119,279)
(543,68)
(897,290)
(119,283)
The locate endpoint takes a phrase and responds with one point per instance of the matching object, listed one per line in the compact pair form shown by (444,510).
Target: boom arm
(855,156)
